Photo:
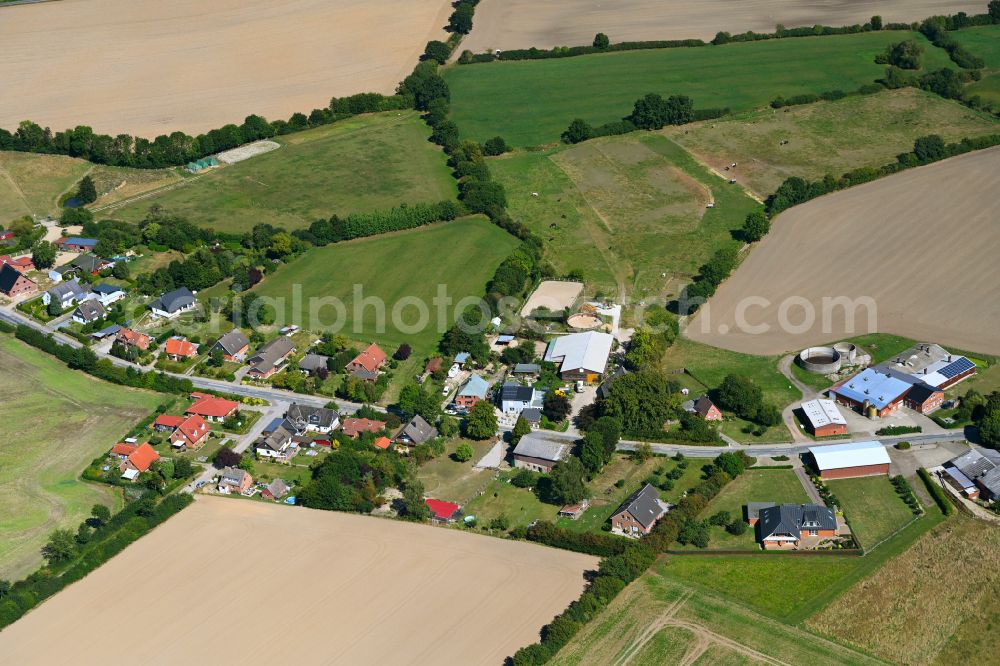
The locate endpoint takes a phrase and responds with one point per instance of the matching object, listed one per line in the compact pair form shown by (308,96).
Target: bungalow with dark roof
(416,432)
(639,512)
(787,525)
(13,283)
(89,311)
(275,490)
(173,303)
(234,345)
(269,358)
(312,363)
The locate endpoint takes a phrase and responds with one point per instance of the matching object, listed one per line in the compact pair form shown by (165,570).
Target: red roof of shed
(442,510)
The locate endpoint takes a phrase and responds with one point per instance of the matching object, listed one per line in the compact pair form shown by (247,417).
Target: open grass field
(532,102)
(983,41)
(361,164)
(780,486)
(660,619)
(149,68)
(55,421)
(888,238)
(520,24)
(461,255)
(827,137)
(353,579)
(32,184)
(929,602)
(871,506)
(447,479)
(623,210)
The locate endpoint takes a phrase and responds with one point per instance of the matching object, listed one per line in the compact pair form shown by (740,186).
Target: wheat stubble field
(921,244)
(146,67)
(264,583)
(520,24)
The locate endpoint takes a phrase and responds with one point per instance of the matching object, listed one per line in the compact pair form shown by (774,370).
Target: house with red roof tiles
(128,337)
(382,443)
(354,427)
(368,363)
(190,434)
(123,450)
(179,349)
(167,423)
(138,462)
(213,408)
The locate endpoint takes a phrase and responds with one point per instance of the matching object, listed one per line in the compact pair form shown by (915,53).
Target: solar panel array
(957,367)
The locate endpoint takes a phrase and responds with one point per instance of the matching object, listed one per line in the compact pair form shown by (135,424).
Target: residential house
(234,480)
(639,512)
(213,408)
(471,392)
(277,445)
(167,423)
(14,284)
(540,451)
(416,432)
(269,358)
(122,450)
(847,461)
(85,264)
(66,294)
(706,409)
(368,363)
(89,311)
(190,434)
(312,419)
(533,415)
(173,303)
(785,526)
(515,398)
(130,338)
(179,349)
(108,294)
(527,369)
(234,345)
(76,244)
(382,443)
(442,512)
(355,426)
(310,363)
(581,356)
(751,511)
(20,264)
(138,462)
(275,490)
(974,474)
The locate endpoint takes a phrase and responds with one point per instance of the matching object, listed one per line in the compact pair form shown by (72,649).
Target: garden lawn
(519,505)
(31,184)
(447,479)
(629,212)
(361,164)
(55,422)
(780,486)
(813,140)
(532,102)
(871,506)
(461,255)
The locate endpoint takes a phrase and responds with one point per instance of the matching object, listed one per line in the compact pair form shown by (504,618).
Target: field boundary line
(151,193)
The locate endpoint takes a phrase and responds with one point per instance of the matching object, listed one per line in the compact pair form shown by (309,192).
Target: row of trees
(357,225)
(650,112)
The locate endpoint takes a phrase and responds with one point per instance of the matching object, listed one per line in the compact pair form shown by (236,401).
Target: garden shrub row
(179,148)
(937,492)
(86,360)
(107,540)
(905,493)
(926,150)
(888,431)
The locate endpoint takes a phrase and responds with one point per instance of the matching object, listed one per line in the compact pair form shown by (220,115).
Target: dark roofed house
(269,358)
(173,303)
(312,362)
(275,490)
(14,284)
(66,294)
(234,345)
(515,398)
(639,512)
(87,263)
(277,444)
(977,469)
(785,526)
(89,311)
(541,451)
(604,389)
(312,419)
(751,511)
(416,432)
(706,409)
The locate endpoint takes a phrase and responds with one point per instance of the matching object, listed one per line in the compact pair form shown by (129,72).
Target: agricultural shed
(846,461)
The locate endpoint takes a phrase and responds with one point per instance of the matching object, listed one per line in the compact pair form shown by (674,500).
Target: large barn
(848,461)
(823,418)
(880,392)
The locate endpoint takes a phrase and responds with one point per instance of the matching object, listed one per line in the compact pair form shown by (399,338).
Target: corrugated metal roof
(854,454)
(581,351)
(538,445)
(878,388)
(823,413)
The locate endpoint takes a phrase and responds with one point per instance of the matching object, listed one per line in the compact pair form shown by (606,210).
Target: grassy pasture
(983,41)
(532,102)
(357,165)
(461,255)
(55,421)
(871,506)
(624,210)
(827,137)
(935,604)
(31,184)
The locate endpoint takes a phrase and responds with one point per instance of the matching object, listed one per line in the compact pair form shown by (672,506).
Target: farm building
(788,525)
(173,303)
(471,392)
(879,392)
(540,452)
(847,461)
(204,163)
(823,418)
(932,365)
(639,512)
(974,474)
(581,356)
(76,244)
(234,345)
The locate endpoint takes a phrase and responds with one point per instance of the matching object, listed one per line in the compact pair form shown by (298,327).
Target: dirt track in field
(518,24)
(148,67)
(261,583)
(922,245)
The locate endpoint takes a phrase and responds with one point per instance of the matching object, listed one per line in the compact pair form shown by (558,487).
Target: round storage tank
(821,360)
(848,351)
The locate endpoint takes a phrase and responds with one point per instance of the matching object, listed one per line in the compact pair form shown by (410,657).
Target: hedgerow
(937,492)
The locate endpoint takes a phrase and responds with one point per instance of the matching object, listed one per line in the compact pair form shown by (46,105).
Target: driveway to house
(807,484)
(788,413)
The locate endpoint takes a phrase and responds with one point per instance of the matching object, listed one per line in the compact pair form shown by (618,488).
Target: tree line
(650,112)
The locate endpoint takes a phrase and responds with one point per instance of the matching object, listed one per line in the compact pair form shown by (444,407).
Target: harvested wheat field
(146,67)
(520,24)
(264,583)
(916,252)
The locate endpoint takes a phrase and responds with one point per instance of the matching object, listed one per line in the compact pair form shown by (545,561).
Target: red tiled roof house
(179,349)
(368,362)
(138,462)
(190,434)
(213,408)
